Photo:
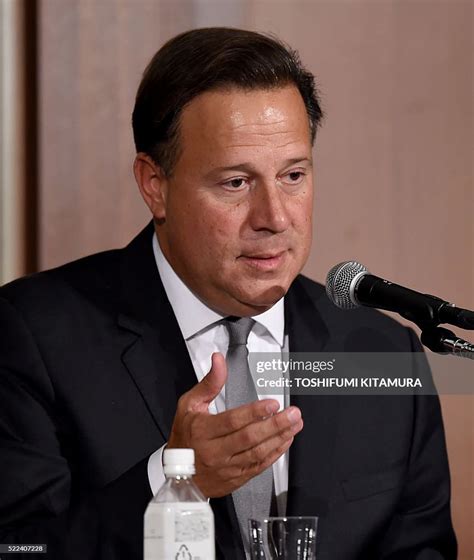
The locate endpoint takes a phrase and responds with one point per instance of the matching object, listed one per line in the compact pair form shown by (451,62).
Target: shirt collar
(193,315)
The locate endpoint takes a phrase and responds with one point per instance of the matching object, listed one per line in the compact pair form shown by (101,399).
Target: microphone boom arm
(444,341)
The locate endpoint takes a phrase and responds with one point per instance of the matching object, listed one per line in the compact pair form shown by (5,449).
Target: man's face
(235,223)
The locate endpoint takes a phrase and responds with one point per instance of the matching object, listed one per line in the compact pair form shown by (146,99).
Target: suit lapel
(155,355)
(312,452)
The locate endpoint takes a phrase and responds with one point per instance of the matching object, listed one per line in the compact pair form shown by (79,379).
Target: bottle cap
(178,461)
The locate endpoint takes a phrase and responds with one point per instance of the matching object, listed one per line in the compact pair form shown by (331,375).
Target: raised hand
(235,445)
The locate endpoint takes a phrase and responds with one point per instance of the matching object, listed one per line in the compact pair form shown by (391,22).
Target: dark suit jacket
(92,364)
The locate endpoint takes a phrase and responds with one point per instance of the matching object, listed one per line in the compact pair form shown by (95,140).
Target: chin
(264,298)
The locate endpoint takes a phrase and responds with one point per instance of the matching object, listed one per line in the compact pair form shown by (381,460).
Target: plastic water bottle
(179,523)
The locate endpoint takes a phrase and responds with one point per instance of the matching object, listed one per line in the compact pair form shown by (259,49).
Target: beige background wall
(394,160)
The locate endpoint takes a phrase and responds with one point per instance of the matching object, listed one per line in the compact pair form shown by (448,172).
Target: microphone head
(341,282)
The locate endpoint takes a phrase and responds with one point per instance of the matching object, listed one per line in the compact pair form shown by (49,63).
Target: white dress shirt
(203,337)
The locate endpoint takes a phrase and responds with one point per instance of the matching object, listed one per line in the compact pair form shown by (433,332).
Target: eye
(293,177)
(236,183)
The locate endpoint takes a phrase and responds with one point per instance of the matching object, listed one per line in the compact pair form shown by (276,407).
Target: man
(106,360)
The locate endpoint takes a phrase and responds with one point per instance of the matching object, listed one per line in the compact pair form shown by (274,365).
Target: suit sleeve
(422,527)
(40,502)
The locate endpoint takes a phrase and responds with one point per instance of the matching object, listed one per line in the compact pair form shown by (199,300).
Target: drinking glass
(283,538)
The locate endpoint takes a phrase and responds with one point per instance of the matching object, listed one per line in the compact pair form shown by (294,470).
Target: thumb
(210,385)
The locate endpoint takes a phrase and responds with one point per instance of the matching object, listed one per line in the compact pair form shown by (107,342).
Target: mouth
(264,261)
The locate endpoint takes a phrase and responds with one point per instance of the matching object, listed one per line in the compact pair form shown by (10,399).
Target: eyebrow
(248,166)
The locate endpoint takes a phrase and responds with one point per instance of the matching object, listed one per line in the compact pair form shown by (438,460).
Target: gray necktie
(253,499)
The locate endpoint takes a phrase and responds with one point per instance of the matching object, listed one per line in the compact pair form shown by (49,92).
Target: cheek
(219,225)
(302,213)
(211,238)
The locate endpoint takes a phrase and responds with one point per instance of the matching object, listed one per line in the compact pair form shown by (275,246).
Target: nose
(269,208)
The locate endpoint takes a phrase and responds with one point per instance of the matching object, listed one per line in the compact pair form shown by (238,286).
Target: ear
(152,183)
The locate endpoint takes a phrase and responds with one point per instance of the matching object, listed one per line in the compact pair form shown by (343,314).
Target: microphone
(350,284)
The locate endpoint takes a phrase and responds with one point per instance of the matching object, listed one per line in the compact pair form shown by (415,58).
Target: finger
(235,419)
(256,433)
(201,395)
(244,471)
(271,458)
(259,453)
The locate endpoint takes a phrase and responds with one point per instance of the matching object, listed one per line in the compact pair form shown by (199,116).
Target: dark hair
(207,59)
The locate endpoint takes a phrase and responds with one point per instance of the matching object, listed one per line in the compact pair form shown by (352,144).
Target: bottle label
(179,531)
